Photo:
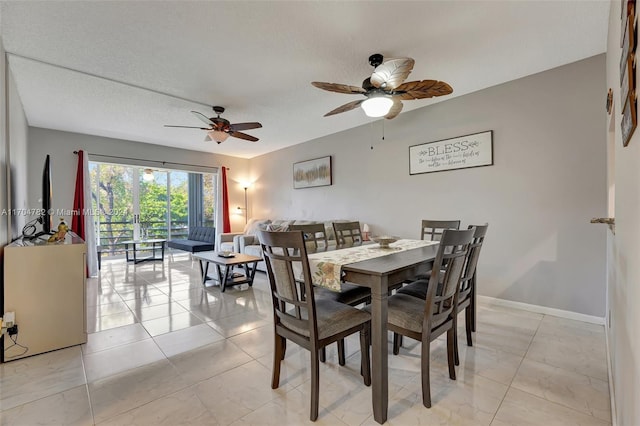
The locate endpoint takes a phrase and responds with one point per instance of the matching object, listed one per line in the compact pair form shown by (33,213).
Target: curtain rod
(152,161)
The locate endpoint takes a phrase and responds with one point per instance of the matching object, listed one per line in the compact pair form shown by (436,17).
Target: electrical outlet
(9,319)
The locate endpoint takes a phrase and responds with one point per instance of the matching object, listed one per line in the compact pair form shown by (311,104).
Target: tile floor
(163,351)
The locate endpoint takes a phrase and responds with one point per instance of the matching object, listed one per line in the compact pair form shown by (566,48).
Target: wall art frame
(629,120)
(462,152)
(312,173)
(628,100)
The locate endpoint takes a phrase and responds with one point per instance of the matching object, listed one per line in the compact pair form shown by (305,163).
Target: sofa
(200,238)
(247,241)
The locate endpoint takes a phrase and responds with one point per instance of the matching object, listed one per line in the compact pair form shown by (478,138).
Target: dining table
(379,273)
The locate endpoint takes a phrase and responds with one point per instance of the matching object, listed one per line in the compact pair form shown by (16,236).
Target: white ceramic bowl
(384,240)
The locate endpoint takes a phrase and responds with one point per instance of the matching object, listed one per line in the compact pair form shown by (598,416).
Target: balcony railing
(112,234)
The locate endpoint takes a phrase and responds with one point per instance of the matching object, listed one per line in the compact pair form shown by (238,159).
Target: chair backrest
(445,276)
(347,232)
(285,256)
(432,229)
(467,281)
(313,233)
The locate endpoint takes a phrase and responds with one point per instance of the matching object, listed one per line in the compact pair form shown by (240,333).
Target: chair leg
(284,347)
(341,357)
(473,302)
(456,357)
(323,355)
(365,364)
(397,342)
(424,369)
(278,354)
(315,384)
(468,324)
(451,335)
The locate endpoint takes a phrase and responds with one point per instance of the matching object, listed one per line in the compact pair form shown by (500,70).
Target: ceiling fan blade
(202,117)
(392,73)
(188,127)
(422,89)
(338,88)
(245,126)
(345,107)
(395,109)
(243,136)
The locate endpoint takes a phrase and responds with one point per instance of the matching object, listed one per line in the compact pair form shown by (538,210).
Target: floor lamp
(246,210)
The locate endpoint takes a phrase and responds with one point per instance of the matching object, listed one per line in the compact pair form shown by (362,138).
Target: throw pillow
(277,228)
(256,225)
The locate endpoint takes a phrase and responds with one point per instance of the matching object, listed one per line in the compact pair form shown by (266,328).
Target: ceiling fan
(385,89)
(220,129)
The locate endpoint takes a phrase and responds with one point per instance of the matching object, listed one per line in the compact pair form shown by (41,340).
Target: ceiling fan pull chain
(382,129)
(372,133)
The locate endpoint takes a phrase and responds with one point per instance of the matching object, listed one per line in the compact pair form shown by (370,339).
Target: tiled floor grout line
(86,385)
(537,396)
(517,369)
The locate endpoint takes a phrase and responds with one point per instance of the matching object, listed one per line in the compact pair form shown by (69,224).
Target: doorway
(137,203)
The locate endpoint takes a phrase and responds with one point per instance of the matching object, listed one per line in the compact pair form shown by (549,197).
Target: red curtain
(226,223)
(77,221)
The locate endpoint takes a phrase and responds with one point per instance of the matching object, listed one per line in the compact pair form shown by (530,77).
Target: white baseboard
(540,309)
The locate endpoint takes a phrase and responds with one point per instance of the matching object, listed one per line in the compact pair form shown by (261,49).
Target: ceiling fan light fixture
(148,176)
(377,106)
(218,136)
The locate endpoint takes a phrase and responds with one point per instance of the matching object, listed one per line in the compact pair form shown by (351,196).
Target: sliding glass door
(143,203)
(179,204)
(152,205)
(112,197)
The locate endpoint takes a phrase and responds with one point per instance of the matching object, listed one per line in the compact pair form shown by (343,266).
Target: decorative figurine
(62,231)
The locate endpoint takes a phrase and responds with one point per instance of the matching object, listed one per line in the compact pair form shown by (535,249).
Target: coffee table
(227,278)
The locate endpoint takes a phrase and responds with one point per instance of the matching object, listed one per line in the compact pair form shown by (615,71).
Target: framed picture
(629,120)
(628,45)
(310,173)
(628,84)
(475,150)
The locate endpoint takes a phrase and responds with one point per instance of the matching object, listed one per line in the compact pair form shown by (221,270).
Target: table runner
(326,267)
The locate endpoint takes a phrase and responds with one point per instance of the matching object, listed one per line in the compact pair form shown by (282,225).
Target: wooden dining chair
(426,319)
(467,296)
(309,322)
(315,234)
(347,232)
(467,293)
(349,293)
(431,230)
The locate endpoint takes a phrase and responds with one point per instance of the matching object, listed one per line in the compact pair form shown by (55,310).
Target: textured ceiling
(107,68)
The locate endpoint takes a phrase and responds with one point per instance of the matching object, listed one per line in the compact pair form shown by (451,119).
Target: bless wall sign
(474,150)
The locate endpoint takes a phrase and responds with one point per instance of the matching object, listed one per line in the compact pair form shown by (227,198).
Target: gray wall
(548,181)
(623,329)
(60,145)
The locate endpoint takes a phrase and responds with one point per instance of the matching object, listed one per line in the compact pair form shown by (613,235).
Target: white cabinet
(44,284)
